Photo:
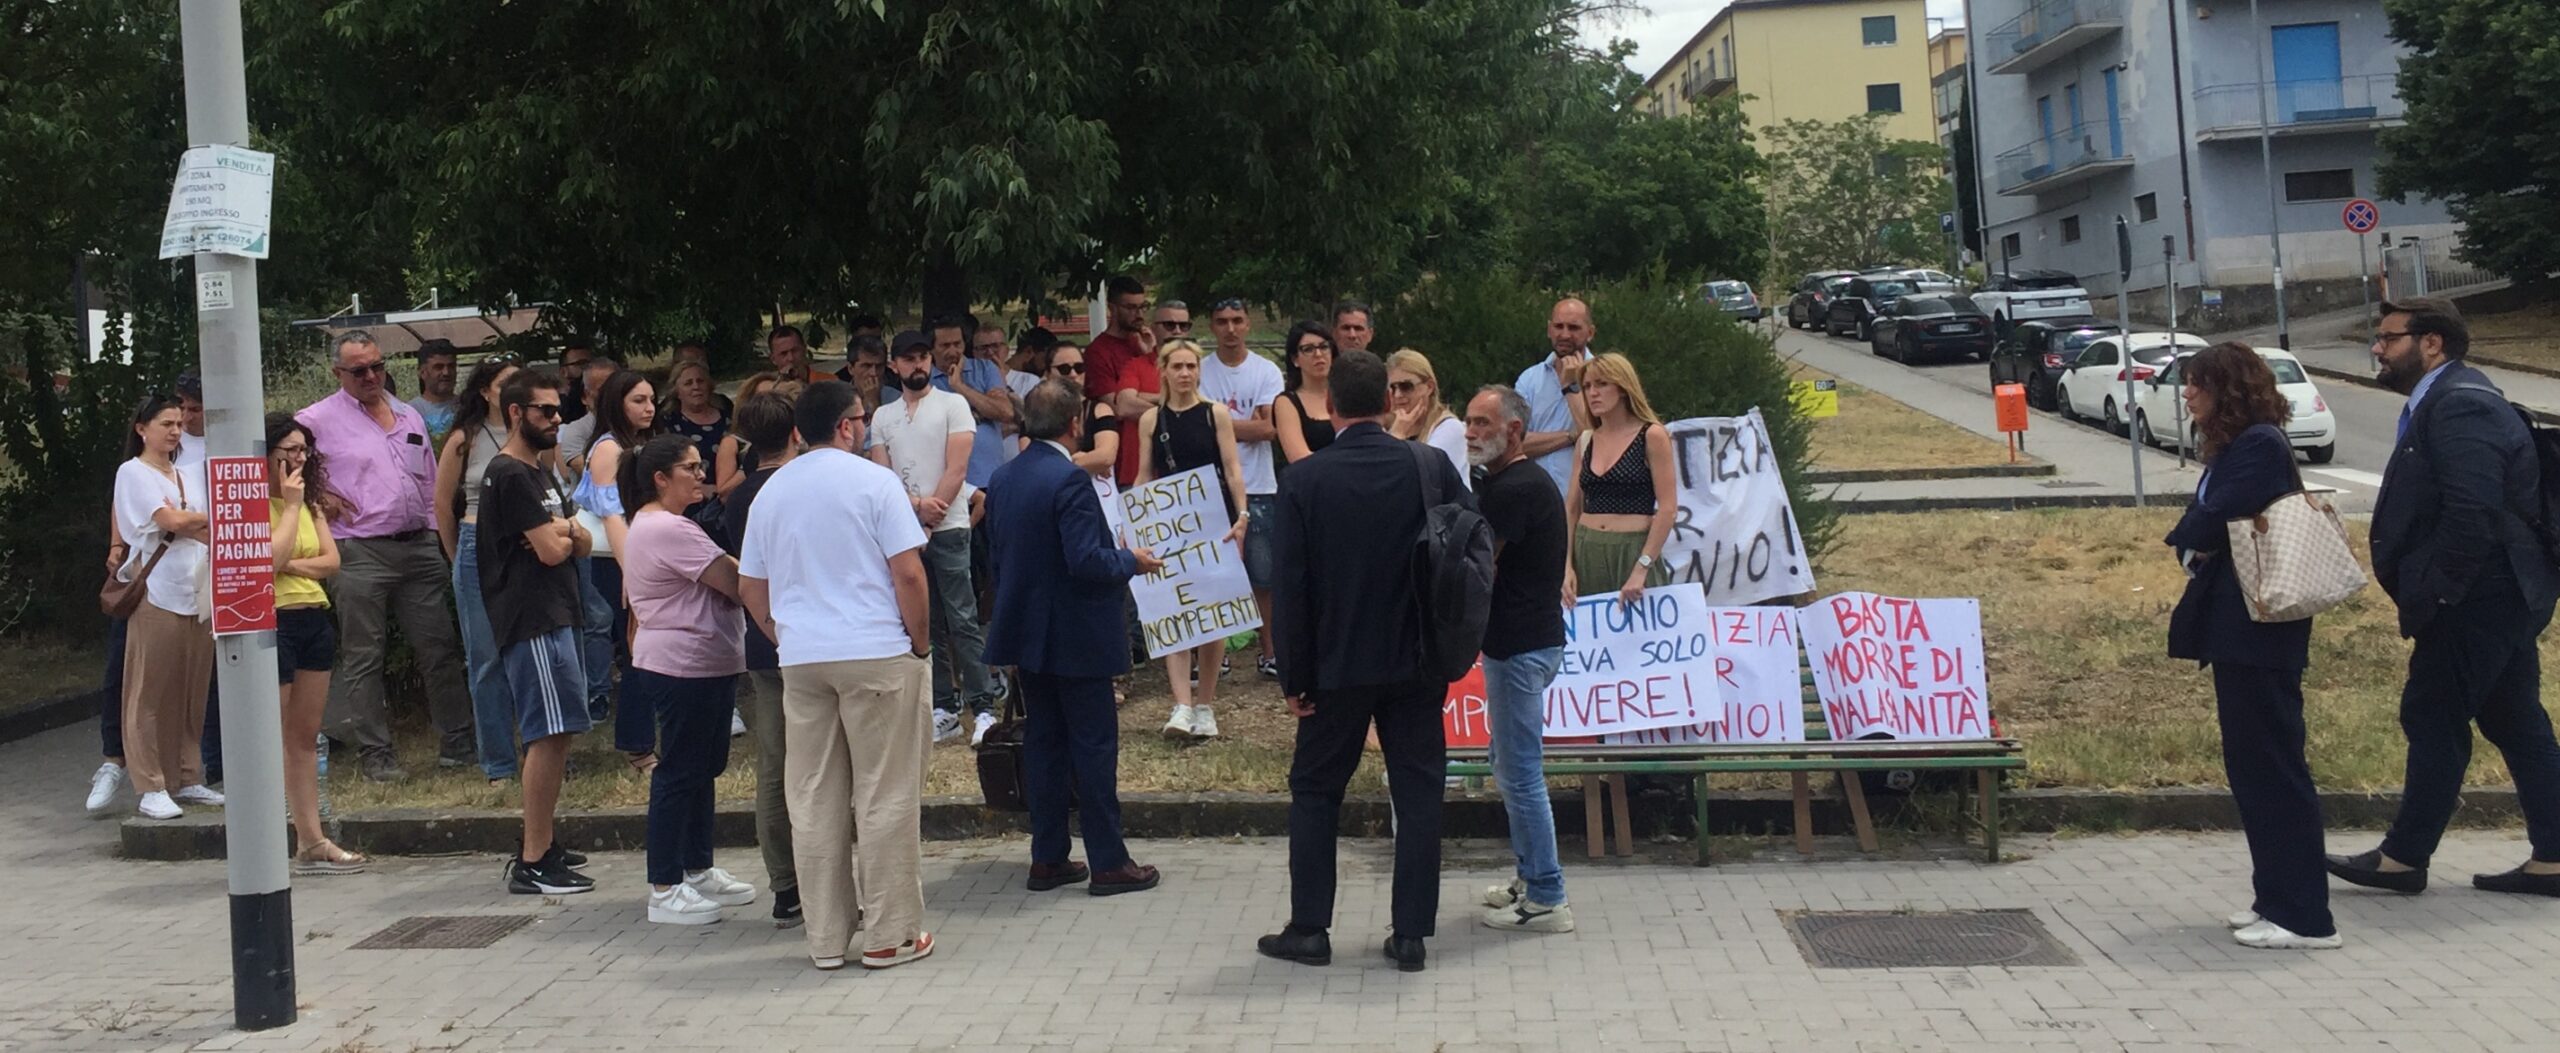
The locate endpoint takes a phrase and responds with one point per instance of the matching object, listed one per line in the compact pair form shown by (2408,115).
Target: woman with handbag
(168,644)
(1184,433)
(2257,666)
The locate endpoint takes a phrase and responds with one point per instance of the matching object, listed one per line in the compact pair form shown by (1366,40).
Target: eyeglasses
(694,468)
(1325,346)
(2383,339)
(1403,387)
(1070,369)
(296,452)
(374,368)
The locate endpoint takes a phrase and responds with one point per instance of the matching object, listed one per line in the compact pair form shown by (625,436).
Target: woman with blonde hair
(1184,433)
(1620,501)
(731,459)
(692,408)
(1413,394)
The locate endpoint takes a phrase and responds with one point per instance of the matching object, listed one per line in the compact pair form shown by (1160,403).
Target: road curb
(2478,359)
(421,832)
(1909,505)
(1907,475)
(2539,414)
(59,711)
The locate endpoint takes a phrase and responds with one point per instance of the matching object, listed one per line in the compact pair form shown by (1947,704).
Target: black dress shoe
(2519,882)
(1406,952)
(1305,947)
(2365,868)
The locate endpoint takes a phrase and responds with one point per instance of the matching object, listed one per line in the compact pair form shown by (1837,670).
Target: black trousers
(2262,756)
(1329,746)
(1071,754)
(2476,662)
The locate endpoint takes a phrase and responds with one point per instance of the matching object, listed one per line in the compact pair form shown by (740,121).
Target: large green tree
(2482,86)
(1843,195)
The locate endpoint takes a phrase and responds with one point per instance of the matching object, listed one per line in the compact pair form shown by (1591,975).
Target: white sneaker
(157,805)
(681,905)
(2269,936)
(737,726)
(717,886)
(2241,919)
(1530,916)
(200,794)
(105,785)
(946,725)
(978,732)
(1506,896)
(1204,723)
(1180,726)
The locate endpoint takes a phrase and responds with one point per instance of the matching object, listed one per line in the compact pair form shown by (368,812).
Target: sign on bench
(1883,666)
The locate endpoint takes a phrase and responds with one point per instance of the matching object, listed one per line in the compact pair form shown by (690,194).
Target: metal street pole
(2267,166)
(2169,286)
(262,987)
(2124,325)
(2364,286)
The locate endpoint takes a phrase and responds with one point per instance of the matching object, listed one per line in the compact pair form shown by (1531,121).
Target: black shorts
(306,642)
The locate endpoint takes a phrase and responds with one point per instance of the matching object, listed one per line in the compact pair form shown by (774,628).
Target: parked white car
(2094,385)
(2313,429)
(2028,295)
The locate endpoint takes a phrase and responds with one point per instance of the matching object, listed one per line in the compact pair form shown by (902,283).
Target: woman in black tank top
(1100,450)
(1185,433)
(1623,493)
(1304,415)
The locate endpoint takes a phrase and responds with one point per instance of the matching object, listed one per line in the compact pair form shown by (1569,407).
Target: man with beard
(926,436)
(528,540)
(2457,546)
(437,360)
(1120,367)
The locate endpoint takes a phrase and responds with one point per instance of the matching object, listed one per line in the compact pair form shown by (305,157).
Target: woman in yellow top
(299,507)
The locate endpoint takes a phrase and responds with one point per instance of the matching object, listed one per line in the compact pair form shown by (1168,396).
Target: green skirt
(1602,561)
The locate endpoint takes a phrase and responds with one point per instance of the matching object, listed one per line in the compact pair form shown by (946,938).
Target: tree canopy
(2482,86)
(1842,195)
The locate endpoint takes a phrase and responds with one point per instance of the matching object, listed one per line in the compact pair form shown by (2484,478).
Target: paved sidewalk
(102,954)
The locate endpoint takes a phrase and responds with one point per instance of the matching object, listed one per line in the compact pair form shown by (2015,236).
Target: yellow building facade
(1821,60)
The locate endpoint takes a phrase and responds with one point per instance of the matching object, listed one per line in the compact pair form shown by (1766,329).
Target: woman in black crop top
(1185,433)
(1623,494)
(1101,426)
(1304,415)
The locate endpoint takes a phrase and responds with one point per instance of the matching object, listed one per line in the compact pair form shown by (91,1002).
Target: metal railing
(2042,21)
(2420,266)
(2066,149)
(2299,103)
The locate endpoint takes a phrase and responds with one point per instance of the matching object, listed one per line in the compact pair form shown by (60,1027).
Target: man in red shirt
(1121,363)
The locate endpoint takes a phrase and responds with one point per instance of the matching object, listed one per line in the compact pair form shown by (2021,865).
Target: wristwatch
(1644,562)
(1572,389)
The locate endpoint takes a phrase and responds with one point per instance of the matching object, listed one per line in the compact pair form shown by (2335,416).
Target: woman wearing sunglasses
(1101,425)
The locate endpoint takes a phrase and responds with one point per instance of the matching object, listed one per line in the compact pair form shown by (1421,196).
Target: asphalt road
(2367,417)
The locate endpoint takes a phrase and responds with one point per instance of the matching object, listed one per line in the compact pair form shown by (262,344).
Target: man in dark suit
(2455,546)
(1350,637)
(1060,578)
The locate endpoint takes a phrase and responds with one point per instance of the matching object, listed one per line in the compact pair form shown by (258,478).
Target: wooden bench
(1603,767)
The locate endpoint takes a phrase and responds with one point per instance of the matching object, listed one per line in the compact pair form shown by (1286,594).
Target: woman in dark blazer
(2257,667)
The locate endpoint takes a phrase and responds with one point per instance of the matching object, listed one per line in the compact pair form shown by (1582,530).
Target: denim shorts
(306,642)
(549,685)
(1263,508)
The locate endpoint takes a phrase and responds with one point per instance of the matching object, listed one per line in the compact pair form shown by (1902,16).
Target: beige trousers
(856,735)
(168,670)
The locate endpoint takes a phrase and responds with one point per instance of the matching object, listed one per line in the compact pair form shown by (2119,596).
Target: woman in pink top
(687,652)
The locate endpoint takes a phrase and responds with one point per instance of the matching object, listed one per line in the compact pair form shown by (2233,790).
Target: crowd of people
(855,567)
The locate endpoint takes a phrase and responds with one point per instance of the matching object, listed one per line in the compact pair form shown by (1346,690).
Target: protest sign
(241,564)
(1109,494)
(1735,533)
(1634,666)
(1464,721)
(1899,668)
(1201,593)
(1755,665)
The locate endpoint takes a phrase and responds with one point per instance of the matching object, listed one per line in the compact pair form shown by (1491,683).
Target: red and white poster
(242,564)
(1898,668)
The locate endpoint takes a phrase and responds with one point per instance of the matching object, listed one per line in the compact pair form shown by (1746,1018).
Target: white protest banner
(1109,493)
(1900,668)
(1736,532)
(220,203)
(1201,594)
(1634,666)
(1755,663)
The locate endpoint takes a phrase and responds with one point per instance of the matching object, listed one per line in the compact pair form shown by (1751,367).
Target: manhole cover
(1869,940)
(446,932)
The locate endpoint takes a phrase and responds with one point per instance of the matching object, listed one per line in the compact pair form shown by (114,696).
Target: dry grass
(42,669)
(2526,336)
(1875,432)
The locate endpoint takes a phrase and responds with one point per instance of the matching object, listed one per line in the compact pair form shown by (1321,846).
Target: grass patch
(2075,618)
(1874,432)
(42,669)
(2526,336)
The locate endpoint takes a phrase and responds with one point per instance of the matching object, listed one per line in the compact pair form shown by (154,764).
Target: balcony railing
(2069,155)
(2299,107)
(2048,30)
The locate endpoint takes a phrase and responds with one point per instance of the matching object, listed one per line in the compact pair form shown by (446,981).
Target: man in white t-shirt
(831,569)
(1248,384)
(925,437)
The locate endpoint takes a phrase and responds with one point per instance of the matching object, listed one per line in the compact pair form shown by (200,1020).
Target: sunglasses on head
(1232,303)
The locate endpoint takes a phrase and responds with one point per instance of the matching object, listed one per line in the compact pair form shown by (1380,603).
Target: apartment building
(1818,60)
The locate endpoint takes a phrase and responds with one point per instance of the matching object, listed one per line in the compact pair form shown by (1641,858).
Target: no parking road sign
(2361,216)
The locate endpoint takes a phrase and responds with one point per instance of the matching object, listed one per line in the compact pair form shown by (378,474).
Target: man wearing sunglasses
(391,564)
(1173,321)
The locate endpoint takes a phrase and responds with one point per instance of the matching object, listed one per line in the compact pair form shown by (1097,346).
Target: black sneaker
(786,908)
(545,878)
(566,857)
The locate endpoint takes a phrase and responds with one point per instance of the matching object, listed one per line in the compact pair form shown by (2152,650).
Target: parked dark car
(1933,327)
(1734,298)
(1855,306)
(1810,303)
(2036,354)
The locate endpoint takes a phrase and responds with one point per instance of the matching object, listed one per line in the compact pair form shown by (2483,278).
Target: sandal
(643,763)
(326,858)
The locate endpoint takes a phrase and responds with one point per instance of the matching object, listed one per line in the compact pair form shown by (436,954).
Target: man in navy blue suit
(1061,579)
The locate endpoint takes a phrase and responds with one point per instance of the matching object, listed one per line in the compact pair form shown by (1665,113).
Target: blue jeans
(959,639)
(493,711)
(1515,701)
(595,638)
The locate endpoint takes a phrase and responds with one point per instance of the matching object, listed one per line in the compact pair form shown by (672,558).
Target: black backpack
(2544,515)
(1453,574)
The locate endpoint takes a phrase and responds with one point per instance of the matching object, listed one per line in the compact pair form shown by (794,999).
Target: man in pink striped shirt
(383,467)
